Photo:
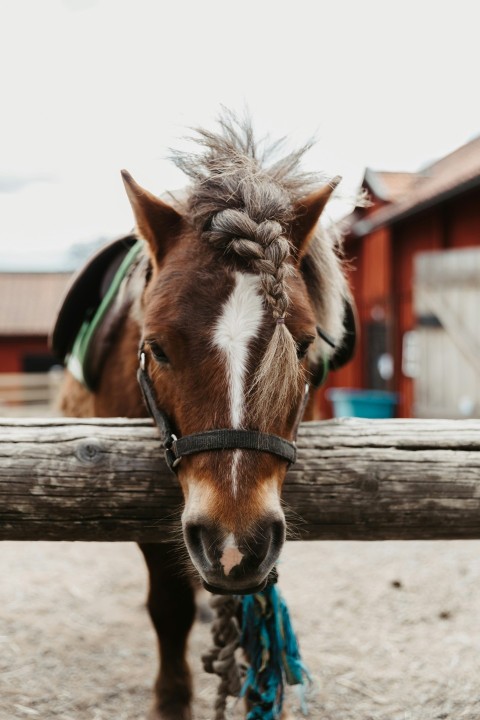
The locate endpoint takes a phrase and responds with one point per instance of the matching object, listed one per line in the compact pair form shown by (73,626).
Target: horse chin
(242,589)
(231,591)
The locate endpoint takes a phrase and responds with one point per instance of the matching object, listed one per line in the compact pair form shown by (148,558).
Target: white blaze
(236,327)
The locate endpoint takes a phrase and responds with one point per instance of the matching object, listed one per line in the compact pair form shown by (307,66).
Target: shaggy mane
(234,170)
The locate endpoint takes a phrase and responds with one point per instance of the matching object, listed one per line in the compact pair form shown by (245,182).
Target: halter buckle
(174,461)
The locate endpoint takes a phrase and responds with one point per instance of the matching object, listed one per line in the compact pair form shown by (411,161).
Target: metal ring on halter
(177,460)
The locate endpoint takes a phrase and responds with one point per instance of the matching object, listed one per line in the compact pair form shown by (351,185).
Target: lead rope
(267,638)
(220,659)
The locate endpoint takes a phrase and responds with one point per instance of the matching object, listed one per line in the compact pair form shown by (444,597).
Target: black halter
(223,439)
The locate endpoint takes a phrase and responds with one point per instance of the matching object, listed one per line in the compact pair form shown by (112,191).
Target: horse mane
(234,170)
(242,199)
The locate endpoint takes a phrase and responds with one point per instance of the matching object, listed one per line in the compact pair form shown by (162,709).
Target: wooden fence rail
(63,479)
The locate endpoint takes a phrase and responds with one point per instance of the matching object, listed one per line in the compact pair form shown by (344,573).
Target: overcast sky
(91,86)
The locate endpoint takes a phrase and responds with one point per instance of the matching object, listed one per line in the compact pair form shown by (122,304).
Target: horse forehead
(195,300)
(188,296)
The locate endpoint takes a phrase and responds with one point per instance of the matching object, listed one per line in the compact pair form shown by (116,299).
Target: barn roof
(388,186)
(29,302)
(451,175)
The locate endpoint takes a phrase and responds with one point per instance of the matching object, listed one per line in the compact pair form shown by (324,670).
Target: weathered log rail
(70,479)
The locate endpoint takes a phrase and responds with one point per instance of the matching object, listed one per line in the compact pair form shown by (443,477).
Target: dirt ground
(390,631)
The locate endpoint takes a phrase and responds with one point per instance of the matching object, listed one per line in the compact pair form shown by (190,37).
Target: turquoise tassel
(272,651)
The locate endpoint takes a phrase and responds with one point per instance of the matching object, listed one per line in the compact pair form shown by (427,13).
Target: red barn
(436,209)
(28,306)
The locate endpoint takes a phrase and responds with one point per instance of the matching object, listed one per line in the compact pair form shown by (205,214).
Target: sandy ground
(390,631)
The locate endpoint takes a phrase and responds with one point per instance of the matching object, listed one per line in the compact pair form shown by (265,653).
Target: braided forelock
(262,246)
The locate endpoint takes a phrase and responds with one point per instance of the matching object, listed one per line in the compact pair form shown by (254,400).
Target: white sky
(90,86)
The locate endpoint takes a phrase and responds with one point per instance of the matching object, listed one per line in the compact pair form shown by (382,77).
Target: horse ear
(307,214)
(156,221)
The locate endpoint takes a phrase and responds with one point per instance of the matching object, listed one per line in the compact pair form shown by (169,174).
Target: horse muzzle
(235,563)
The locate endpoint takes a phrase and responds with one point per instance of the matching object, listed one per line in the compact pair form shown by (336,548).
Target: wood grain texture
(70,479)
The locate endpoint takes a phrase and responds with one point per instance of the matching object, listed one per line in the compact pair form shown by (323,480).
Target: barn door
(447,336)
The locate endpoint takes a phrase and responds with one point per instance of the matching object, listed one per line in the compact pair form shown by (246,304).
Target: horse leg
(171,604)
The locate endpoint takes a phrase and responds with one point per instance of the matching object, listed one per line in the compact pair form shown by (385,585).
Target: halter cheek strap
(148,393)
(222,439)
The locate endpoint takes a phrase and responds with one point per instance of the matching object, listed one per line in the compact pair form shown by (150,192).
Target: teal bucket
(373,404)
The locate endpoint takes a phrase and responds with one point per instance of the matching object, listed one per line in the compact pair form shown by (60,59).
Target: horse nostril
(265,543)
(202,543)
(256,547)
(192,537)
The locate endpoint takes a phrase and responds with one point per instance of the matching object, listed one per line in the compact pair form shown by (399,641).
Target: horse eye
(158,353)
(302,348)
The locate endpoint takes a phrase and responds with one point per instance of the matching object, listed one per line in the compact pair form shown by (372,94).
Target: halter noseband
(222,439)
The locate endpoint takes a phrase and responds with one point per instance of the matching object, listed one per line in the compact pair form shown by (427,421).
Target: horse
(237,299)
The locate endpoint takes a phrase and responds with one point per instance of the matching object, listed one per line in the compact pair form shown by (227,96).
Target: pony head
(239,278)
